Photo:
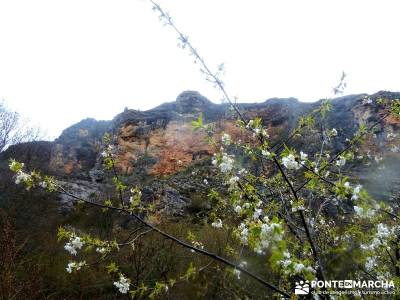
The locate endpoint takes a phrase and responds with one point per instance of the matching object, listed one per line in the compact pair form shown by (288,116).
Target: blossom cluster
(226,139)
(122,284)
(345,189)
(226,163)
(233,180)
(341,161)
(266,153)
(102,250)
(135,197)
(75,266)
(303,156)
(32,179)
(290,162)
(260,234)
(243,233)
(271,231)
(108,152)
(292,267)
(217,223)
(73,245)
(21,176)
(198,245)
(380,239)
(237,272)
(356,192)
(256,127)
(364,212)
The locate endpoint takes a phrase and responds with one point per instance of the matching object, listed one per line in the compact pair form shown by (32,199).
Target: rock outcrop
(159,145)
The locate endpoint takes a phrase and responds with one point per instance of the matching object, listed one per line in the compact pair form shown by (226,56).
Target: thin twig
(178,241)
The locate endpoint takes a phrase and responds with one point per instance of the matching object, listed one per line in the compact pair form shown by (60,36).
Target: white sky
(62,61)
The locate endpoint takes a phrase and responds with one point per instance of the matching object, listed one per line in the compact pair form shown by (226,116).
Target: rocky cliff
(159,149)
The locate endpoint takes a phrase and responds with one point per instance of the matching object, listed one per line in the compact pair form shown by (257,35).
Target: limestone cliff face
(75,151)
(159,145)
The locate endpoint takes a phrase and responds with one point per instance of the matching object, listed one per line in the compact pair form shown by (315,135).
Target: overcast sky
(62,61)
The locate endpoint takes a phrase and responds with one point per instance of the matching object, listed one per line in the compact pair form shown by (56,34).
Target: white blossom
(257,213)
(334,132)
(73,245)
(43,184)
(108,152)
(75,266)
(13,164)
(303,156)
(266,153)
(198,245)
(242,171)
(383,231)
(243,264)
(298,208)
(290,162)
(217,223)
(265,133)
(205,181)
(290,266)
(226,139)
(356,192)
(244,233)
(364,212)
(390,136)
(270,232)
(70,249)
(310,269)
(226,163)
(233,180)
(358,210)
(238,209)
(123,284)
(341,161)
(298,267)
(101,250)
(380,239)
(370,264)
(286,261)
(237,273)
(21,177)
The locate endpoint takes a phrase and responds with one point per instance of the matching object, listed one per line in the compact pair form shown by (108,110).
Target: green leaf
(199,123)
(112,268)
